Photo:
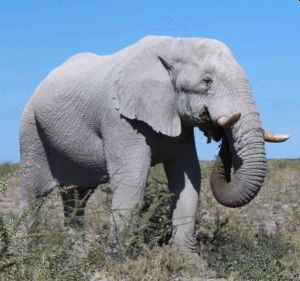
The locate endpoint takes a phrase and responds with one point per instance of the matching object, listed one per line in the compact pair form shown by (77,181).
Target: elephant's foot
(186,242)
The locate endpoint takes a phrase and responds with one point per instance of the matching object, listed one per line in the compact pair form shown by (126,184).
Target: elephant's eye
(204,85)
(207,81)
(194,85)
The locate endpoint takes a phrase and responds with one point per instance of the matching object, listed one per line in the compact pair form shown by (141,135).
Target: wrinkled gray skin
(96,118)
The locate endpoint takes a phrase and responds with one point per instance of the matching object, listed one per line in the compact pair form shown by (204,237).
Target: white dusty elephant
(96,118)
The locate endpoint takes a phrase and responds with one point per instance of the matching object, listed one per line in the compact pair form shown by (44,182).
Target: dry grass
(260,241)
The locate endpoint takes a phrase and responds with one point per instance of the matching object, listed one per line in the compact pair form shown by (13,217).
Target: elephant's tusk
(226,122)
(270,137)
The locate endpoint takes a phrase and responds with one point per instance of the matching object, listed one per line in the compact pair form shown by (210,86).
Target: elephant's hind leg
(74,201)
(36,177)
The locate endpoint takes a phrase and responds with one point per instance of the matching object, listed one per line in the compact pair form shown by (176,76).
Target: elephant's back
(70,87)
(80,71)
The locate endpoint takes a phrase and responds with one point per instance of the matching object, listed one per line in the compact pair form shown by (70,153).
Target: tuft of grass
(157,263)
(263,258)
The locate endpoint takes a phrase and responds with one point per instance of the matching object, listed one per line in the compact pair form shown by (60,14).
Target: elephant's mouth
(210,130)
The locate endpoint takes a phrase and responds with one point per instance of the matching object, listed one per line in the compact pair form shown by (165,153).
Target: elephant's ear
(144,92)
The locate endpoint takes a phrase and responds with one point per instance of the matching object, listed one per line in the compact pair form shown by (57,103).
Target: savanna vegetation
(260,241)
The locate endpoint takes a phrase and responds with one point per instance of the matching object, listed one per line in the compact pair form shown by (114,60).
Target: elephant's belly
(80,162)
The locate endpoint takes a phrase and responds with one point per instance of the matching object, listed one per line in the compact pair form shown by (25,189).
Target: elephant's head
(172,84)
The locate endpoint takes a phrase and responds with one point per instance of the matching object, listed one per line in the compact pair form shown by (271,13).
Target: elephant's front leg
(184,181)
(128,180)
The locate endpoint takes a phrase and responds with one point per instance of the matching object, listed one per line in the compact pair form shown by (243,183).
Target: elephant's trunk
(240,167)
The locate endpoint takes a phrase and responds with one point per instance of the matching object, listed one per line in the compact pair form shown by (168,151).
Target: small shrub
(149,225)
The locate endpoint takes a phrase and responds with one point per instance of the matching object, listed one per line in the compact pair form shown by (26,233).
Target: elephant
(96,119)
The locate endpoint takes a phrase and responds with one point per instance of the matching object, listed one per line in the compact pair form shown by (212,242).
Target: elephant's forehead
(207,44)
(199,50)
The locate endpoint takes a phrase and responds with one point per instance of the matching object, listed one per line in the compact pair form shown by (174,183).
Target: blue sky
(36,36)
